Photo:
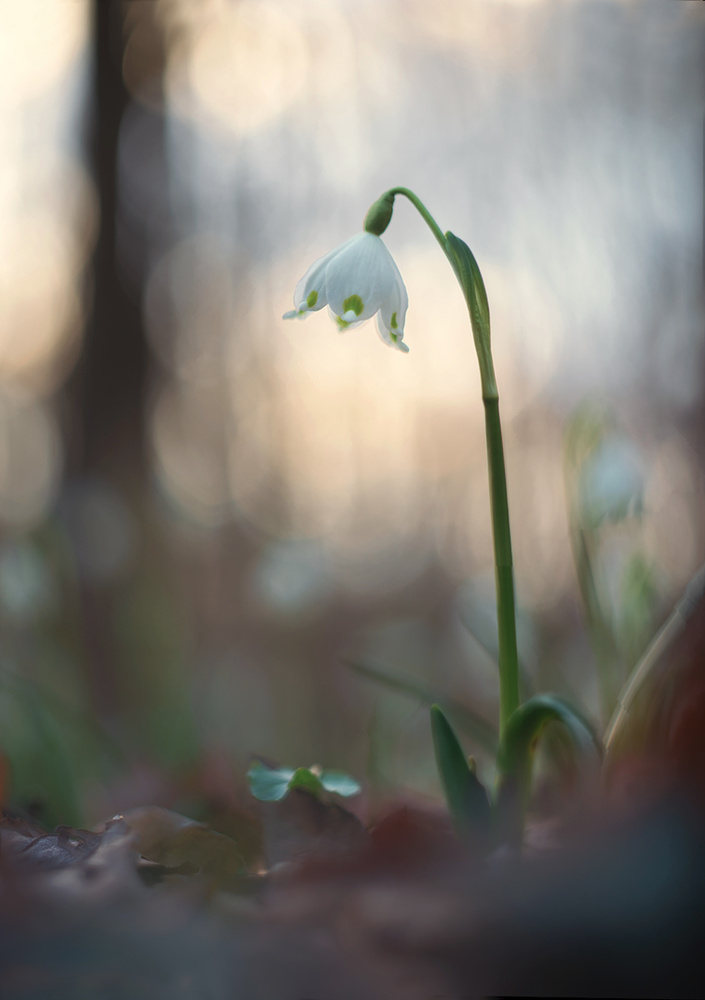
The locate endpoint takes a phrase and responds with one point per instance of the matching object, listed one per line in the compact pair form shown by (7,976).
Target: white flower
(612,482)
(356,280)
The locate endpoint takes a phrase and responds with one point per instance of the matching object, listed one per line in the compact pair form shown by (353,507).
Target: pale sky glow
(577,186)
(47,225)
(293,118)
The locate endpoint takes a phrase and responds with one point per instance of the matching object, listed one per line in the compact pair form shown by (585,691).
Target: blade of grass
(478,728)
(525,682)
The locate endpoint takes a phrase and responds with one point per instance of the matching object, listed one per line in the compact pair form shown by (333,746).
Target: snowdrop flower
(612,482)
(355,281)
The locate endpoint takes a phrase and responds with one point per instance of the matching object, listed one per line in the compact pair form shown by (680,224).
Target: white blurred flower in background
(612,482)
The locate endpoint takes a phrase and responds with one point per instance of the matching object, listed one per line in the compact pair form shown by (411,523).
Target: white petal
(361,269)
(392,314)
(391,337)
(393,309)
(314,281)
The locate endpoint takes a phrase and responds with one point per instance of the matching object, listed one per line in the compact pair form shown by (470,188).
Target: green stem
(425,215)
(601,637)
(501,537)
(504,572)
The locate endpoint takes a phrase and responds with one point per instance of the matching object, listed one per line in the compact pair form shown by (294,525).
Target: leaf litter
(153,904)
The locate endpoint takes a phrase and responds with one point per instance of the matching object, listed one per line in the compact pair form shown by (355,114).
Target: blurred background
(221,533)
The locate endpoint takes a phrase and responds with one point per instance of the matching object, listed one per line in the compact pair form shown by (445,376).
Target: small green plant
(272,784)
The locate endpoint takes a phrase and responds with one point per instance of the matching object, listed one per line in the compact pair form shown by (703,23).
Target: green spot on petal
(394,321)
(342,323)
(312,299)
(353,304)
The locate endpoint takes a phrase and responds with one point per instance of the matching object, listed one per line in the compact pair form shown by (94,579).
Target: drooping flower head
(356,280)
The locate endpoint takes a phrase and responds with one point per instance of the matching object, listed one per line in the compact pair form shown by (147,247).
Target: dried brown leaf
(303,826)
(174,841)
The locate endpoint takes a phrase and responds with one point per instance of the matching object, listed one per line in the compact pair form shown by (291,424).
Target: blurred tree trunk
(106,438)
(110,379)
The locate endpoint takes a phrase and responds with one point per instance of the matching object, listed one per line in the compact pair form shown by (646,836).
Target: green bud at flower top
(379,215)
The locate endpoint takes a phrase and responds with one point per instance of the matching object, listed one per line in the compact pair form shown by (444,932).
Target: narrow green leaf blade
(470,278)
(517,751)
(467,800)
(472,284)
(526,724)
(476,727)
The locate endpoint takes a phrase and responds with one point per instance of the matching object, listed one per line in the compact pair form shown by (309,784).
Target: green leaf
(269,784)
(340,783)
(471,280)
(468,274)
(517,752)
(466,797)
